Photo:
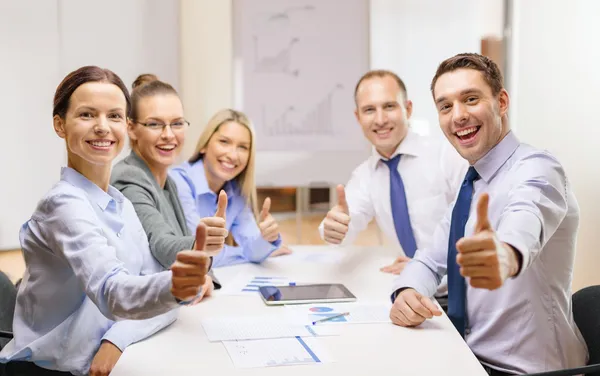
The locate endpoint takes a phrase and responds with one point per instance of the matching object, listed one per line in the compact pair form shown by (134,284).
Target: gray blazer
(158,209)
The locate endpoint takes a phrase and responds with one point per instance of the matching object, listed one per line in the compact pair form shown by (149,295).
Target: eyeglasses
(158,126)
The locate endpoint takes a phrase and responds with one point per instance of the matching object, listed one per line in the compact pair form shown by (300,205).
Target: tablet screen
(306,292)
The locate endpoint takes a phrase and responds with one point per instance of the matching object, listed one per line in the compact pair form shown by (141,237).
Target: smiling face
(470,115)
(383,113)
(94,125)
(226,154)
(159,147)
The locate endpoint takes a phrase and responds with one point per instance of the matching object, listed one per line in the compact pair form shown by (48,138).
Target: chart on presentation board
(295,71)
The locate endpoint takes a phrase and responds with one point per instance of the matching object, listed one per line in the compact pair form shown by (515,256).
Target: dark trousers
(30,369)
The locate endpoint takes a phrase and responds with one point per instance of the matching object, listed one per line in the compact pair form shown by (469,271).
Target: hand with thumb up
(482,258)
(215,227)
(189,281)
(269,229)
(336,223)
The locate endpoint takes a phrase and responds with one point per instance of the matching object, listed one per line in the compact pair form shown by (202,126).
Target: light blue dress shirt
(198,201)
(87,264)
(527,325)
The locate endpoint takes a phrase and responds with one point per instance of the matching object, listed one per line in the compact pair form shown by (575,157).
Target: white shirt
(431,171)
(527,325)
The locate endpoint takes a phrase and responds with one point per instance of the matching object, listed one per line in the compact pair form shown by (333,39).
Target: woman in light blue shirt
(224,159)
(87,258)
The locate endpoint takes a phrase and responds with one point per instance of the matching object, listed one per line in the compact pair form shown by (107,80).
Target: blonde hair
(245,179)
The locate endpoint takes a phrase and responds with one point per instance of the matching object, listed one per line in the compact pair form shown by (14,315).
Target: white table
(434,348)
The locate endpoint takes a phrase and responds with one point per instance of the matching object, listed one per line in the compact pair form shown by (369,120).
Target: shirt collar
(199,178)
(95,193)
(410,145)
(489,165)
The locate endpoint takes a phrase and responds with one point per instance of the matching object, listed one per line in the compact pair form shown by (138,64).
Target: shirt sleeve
(425,271)
(164,243)
(187,198)
(359,202)
(71,231)
(126,332)
(537,205)
(246,233)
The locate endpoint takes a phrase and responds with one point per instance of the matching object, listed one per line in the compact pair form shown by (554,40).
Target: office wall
(412,37)
(206,72)
(555,100)
(42,41)
(31,151)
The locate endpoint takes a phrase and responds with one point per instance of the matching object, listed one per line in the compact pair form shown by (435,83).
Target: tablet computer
(301,294)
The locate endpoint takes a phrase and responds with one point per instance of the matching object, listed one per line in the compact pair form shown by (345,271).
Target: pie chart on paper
(320,309)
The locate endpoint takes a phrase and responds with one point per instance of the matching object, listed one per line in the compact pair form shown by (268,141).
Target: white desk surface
(434,348)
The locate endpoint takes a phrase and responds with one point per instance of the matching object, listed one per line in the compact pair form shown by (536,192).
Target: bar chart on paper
(276,352)
(245,285)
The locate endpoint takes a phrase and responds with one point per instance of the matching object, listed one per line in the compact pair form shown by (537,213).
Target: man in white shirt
(408,182)
(507,244)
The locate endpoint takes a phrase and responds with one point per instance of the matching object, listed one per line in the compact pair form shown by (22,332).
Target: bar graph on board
(281,62)
(316,121)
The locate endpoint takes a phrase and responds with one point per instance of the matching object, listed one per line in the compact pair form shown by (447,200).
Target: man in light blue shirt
(507,243)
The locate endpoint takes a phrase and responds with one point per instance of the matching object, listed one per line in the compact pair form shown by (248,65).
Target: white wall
(556,93)
(31,152)
(411,37)
(39,45)
(206,72)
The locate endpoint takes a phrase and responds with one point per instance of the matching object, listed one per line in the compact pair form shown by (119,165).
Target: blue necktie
(457,290)
(402,224)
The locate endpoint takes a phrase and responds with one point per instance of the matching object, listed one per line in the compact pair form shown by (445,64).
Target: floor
(11,262)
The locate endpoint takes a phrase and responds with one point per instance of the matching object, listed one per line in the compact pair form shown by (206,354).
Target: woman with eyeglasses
(157,129)
(91,286)
(224,160)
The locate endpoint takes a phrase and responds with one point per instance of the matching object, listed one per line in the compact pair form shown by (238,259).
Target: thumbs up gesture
(215,227)
(337,220)
(269,229)
(189,279)
(482,257)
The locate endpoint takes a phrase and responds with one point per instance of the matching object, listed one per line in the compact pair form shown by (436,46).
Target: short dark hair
(488,68)
(83,75)
(381,73)
(147,85)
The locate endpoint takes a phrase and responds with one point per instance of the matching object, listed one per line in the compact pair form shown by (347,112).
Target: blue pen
(330,318)
(292,284)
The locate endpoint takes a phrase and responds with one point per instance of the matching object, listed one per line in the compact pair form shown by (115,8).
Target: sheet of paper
(277,352)
(245,285)
(331,256)
(359,313)
(258,327)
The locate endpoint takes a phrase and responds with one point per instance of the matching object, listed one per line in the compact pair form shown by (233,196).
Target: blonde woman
(224,159)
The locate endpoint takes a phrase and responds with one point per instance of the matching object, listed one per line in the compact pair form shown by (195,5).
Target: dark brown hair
(490,71)
(83,75)
(381,73)
(147,85)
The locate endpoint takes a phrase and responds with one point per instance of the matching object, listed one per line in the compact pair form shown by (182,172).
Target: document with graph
(249,285)
(277,352)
